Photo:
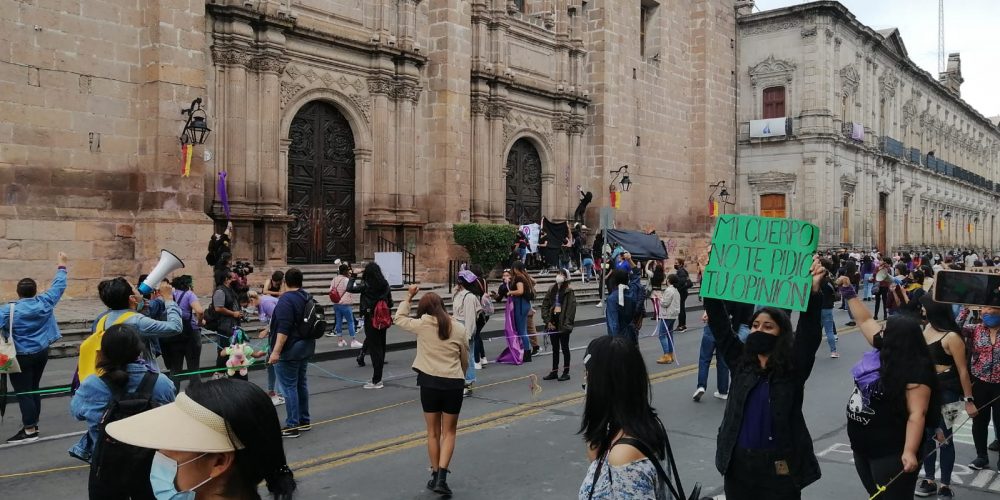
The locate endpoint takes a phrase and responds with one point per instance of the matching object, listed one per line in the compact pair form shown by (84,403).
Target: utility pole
(941,58)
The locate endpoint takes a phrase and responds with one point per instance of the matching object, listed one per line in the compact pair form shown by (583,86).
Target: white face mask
(560,279)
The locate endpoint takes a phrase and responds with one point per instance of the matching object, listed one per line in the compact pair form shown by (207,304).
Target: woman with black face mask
(764,448)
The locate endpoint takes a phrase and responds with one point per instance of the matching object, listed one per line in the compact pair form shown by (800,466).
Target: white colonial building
(839,127)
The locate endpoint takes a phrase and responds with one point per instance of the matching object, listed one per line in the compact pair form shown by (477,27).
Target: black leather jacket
(793,439)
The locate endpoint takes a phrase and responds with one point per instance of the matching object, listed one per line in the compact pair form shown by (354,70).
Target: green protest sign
(761,260)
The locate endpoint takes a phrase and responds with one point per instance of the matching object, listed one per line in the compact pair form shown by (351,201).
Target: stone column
(496,113)
(270,66)
(383,181)
(235,60)
(407,94)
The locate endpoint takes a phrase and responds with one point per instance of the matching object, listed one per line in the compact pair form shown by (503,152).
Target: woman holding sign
(764,448)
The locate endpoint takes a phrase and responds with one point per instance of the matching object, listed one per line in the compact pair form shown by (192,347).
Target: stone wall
(90,94)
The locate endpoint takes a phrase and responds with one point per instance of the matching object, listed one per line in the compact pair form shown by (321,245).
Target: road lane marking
(482,422)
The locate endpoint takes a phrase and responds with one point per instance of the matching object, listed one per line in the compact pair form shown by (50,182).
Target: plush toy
(241,354)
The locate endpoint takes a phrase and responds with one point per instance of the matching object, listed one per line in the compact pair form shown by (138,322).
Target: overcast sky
(971,27)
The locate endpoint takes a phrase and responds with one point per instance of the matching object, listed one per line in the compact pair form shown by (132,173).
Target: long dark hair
(939,315)
(374,280)
(518,271)
(120,345)
(659,276)
(618,397)
(252,420)
(780,359)
(904,353)
(432,305)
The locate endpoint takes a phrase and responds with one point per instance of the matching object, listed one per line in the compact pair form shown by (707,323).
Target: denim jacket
(93,396)
(35,326)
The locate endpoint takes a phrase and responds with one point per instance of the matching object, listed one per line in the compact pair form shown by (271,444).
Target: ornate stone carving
(364,103)
(770,69)
(771,182)
(293,72)
(231,56)
(560,123)
(498,110)
(849,80)
(380,86)
(268,63)
(406,90)
(577,124)
(808,31)
(772,27)
(848,183)
(289,90)
(887,84)
(479,105)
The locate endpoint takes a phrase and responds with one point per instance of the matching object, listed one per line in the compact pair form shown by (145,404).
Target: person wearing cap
(31,324)
(218,440)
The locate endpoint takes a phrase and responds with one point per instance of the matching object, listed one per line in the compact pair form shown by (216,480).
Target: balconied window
(774,102)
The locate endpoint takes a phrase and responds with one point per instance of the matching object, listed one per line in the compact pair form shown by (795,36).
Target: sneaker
(23,437)
(277,400)
(484,361)
(925,488)
(681,328)
(466,392)
(340,343)
(834,354)
(308,426)
(331,334)
(289,433)
(945,492)
(721,396)
(355,344)
(851,323)
(369,385)
(698,394)
(995,445)
(980,463)
(478,366)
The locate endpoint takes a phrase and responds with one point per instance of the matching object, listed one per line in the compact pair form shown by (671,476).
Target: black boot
(565,376)
(527,357)
(441,485)
(554,374)
(433,480)
(361,359)
(534,350)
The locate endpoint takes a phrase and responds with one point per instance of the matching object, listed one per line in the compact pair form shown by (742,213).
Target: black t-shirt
(876,423)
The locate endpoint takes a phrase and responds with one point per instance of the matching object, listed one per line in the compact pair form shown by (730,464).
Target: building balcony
(893,148)
(769,128)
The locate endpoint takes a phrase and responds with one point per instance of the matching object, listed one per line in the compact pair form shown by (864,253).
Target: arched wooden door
(524,183)
(320,186)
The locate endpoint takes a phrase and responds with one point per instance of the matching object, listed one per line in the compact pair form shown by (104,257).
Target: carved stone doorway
(524,184)
(321,186)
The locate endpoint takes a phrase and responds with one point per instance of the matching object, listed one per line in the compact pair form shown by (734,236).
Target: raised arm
(862,316)
(402,318)
(727,342)
(149,327)
(55,291)
(809,331)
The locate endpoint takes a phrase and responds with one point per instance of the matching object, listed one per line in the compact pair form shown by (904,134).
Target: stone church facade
(348,126)
(875,150)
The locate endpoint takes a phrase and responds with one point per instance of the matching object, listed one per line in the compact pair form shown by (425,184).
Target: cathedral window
(774,102)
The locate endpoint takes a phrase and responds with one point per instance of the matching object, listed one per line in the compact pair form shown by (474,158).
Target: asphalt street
(513,443)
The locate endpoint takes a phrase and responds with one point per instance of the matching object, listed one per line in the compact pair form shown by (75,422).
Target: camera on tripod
(242,268)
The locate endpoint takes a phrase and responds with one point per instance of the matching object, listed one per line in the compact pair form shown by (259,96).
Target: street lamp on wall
(723,193)
(625,183)
(196,129)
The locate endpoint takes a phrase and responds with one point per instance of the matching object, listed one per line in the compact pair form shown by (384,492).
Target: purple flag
(223,194)
(513,354)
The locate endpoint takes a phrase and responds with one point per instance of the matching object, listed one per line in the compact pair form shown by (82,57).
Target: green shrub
(488,244)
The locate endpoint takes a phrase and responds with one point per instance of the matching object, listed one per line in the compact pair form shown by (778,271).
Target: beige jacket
(440,358)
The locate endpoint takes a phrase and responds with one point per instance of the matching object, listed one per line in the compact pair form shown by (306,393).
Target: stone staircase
(317,282)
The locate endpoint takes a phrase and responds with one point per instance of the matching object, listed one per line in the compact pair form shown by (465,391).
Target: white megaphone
(168,264)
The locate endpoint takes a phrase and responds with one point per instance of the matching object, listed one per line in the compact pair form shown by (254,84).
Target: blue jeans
(292,379)
(826,317)
(705,359)
(521,308)
(947,451)
(271,379)
(470,374)
(588,267)
(866,291)
(664,328)
(522,254)
(343,312)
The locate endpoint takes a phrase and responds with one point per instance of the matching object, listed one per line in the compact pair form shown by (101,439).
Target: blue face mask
(140,303)
(162,477)
(991,320)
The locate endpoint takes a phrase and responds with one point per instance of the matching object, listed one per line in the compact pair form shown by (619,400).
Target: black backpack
(313,324)
(114,465)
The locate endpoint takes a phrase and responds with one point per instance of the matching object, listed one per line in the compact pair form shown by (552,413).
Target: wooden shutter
(772,205)
(774,102)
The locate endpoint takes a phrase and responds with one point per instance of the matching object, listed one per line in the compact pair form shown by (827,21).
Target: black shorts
(441,400)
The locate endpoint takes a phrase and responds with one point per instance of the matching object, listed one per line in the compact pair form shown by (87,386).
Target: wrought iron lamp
(196,129)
